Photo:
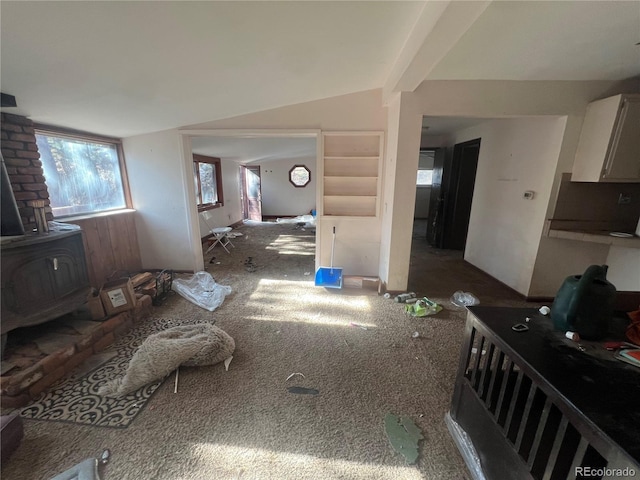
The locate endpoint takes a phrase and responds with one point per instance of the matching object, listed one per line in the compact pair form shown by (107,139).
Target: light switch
(528,194)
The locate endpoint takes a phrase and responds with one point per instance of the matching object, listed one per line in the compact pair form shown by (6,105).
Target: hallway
(438,273)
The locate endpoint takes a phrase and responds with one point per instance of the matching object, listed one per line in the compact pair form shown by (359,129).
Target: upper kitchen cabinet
(609,146)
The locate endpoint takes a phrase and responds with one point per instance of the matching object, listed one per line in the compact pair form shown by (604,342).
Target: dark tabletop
(605,390)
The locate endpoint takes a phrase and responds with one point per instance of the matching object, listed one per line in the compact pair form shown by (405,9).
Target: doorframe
(185,135)
(244,192)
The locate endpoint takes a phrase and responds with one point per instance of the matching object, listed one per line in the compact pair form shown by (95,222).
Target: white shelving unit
(352,170)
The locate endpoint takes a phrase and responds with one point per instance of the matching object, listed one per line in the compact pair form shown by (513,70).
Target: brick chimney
(21,157)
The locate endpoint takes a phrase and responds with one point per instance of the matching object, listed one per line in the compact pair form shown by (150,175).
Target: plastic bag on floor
(422,308)
(464,299)
(202,290)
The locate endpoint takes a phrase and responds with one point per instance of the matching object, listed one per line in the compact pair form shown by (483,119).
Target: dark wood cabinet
(532,405)
(43,277)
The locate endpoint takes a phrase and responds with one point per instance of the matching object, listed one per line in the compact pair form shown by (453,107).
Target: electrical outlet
(624,199)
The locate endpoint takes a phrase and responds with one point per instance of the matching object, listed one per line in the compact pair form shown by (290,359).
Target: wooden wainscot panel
(110,244)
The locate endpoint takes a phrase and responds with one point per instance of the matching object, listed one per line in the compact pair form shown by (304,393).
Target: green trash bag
(422,308)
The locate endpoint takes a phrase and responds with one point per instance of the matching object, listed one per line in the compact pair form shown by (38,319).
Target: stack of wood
(144,284)
(147,283)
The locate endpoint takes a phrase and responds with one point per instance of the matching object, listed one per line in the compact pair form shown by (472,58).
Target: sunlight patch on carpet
(292,245)
(286,289)
(247,462)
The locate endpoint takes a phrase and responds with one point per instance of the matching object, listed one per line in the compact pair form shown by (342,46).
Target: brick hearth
(29,382)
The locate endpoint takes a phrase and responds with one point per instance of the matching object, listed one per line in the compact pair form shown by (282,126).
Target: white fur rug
(163,352)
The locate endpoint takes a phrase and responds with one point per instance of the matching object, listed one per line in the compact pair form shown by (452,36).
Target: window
(425,177)
(84,174)
(425,168)
(207,175)
(299,176)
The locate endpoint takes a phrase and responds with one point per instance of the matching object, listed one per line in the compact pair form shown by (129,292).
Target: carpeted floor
(243,423)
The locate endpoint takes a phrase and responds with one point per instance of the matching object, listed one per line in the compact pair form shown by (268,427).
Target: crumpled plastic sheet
(309,220)
(464,299)
(202,290)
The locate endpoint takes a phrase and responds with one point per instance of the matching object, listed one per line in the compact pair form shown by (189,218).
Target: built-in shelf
(351,166)
(350,205)
(351,186)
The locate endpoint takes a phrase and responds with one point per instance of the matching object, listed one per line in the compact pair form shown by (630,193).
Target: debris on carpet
(202,290)
(303,390)
(422,308)
(404,436)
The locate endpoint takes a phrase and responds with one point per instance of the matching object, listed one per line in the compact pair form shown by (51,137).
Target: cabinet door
(623,162)
(29,287)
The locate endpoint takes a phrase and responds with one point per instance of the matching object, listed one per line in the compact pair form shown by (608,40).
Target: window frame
(72,134)
(217,165)
(299,166)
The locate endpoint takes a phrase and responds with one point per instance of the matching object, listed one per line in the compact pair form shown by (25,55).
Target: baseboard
(515,292)
(540,299)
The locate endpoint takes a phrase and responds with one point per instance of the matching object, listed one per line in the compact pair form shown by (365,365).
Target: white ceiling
(247,150)
(126,68)
(548,40)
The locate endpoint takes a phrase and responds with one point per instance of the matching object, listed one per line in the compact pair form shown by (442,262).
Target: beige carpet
(245,424)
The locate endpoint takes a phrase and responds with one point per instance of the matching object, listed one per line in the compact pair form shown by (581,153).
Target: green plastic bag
(422,308)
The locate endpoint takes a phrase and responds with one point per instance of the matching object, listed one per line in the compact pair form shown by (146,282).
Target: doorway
(454,178)
(251,193)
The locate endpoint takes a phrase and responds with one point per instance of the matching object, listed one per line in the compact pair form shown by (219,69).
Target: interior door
(252,195)
(436,201)
(458,199)
(454,178)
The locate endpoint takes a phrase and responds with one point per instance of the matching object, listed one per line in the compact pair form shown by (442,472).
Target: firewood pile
(156,285)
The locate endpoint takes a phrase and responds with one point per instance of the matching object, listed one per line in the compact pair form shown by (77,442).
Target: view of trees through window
(299,175)
(207,177)
(82,176)
(208,183)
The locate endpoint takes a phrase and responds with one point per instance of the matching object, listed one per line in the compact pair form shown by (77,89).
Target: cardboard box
(94,304)
(118,296)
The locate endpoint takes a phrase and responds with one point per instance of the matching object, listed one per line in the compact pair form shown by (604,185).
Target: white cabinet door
(609,146)
(623,162)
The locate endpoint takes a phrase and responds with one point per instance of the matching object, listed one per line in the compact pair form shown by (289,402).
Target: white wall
(159,189)
(401,164)
(231,211)
(624,268)
(481,99)
(504,229)
(279,196)
(163,193)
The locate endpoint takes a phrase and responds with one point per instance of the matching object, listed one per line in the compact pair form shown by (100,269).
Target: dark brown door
(436,201)
(452,197)
(252,196)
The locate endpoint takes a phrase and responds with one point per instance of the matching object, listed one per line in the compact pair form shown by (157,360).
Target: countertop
(595,236)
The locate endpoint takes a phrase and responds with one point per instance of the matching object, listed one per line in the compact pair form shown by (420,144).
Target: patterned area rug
(76,400)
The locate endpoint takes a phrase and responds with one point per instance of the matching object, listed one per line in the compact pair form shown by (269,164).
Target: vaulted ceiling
(126,68)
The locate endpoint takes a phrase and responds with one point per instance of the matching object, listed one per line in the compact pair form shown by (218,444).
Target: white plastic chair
(220,237)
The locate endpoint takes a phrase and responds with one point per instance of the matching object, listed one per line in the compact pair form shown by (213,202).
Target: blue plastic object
(330,277)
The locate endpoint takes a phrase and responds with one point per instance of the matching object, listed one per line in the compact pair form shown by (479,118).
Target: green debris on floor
(404,436)
(422,308)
